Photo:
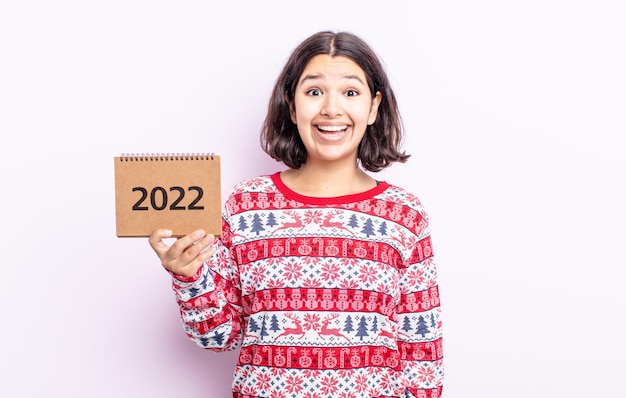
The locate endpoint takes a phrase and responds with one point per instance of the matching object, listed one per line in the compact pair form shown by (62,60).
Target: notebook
(180,192)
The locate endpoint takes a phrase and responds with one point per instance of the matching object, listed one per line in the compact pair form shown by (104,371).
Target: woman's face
(332,107)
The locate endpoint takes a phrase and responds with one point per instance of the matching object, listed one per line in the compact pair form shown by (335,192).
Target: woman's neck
(327,181)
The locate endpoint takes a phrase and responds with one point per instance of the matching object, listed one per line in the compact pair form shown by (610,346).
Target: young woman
(324,277)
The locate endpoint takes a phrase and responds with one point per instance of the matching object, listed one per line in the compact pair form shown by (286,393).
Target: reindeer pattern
(347,286)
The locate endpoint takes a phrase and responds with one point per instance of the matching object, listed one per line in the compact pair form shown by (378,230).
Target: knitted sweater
(324,297)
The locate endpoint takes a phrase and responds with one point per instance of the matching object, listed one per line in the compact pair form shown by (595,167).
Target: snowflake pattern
(325,298)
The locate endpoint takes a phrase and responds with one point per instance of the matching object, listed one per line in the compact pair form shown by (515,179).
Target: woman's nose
(332,105)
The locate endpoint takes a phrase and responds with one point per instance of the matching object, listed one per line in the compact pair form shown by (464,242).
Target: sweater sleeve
(419,321)
(210,304)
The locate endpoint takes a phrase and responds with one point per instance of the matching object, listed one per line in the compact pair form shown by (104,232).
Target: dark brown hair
(380,145)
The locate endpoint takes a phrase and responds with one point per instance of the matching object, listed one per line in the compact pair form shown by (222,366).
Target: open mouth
(332,129)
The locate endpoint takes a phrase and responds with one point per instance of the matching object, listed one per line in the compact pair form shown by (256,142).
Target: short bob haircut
(381,143)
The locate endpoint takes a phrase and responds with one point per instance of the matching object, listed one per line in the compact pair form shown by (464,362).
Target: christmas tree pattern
(271,220)
(368,228)
(243,225)
(318,287)
(361,330)
(422,328)
(348,326)
(257,225)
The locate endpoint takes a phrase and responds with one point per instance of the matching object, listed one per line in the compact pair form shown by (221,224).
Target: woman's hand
(186,255)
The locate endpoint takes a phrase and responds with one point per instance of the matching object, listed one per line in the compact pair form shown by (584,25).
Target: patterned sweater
(324,297)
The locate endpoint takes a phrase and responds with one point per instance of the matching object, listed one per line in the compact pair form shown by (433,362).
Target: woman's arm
(206,286)
(419,322)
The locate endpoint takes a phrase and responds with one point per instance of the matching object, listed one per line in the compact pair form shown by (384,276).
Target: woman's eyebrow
(318,76)
(310,77)
(355,77)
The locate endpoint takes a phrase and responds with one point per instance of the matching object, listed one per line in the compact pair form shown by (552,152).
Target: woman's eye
(314,91)
(352,93)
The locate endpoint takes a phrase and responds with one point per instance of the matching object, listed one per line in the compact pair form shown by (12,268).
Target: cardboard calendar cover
(179,192)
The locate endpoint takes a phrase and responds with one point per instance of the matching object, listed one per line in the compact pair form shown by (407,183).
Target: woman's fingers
(189,245)
(156,241)
(190,268)
(184,256)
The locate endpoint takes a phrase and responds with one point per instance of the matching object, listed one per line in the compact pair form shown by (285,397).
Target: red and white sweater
(325,297)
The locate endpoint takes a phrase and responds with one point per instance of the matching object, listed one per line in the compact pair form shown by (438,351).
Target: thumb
(156,240)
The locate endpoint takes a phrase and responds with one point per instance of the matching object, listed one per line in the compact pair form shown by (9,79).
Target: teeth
(332,128)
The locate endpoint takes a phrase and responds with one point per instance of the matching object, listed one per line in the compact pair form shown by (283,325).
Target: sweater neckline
(343,199)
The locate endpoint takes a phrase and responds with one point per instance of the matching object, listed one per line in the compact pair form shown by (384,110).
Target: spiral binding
(151,157)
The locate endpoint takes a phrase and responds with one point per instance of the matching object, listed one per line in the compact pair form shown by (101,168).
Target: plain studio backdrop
(515,117)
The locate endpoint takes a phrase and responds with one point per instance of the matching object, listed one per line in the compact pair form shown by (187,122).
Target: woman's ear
(374,109)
